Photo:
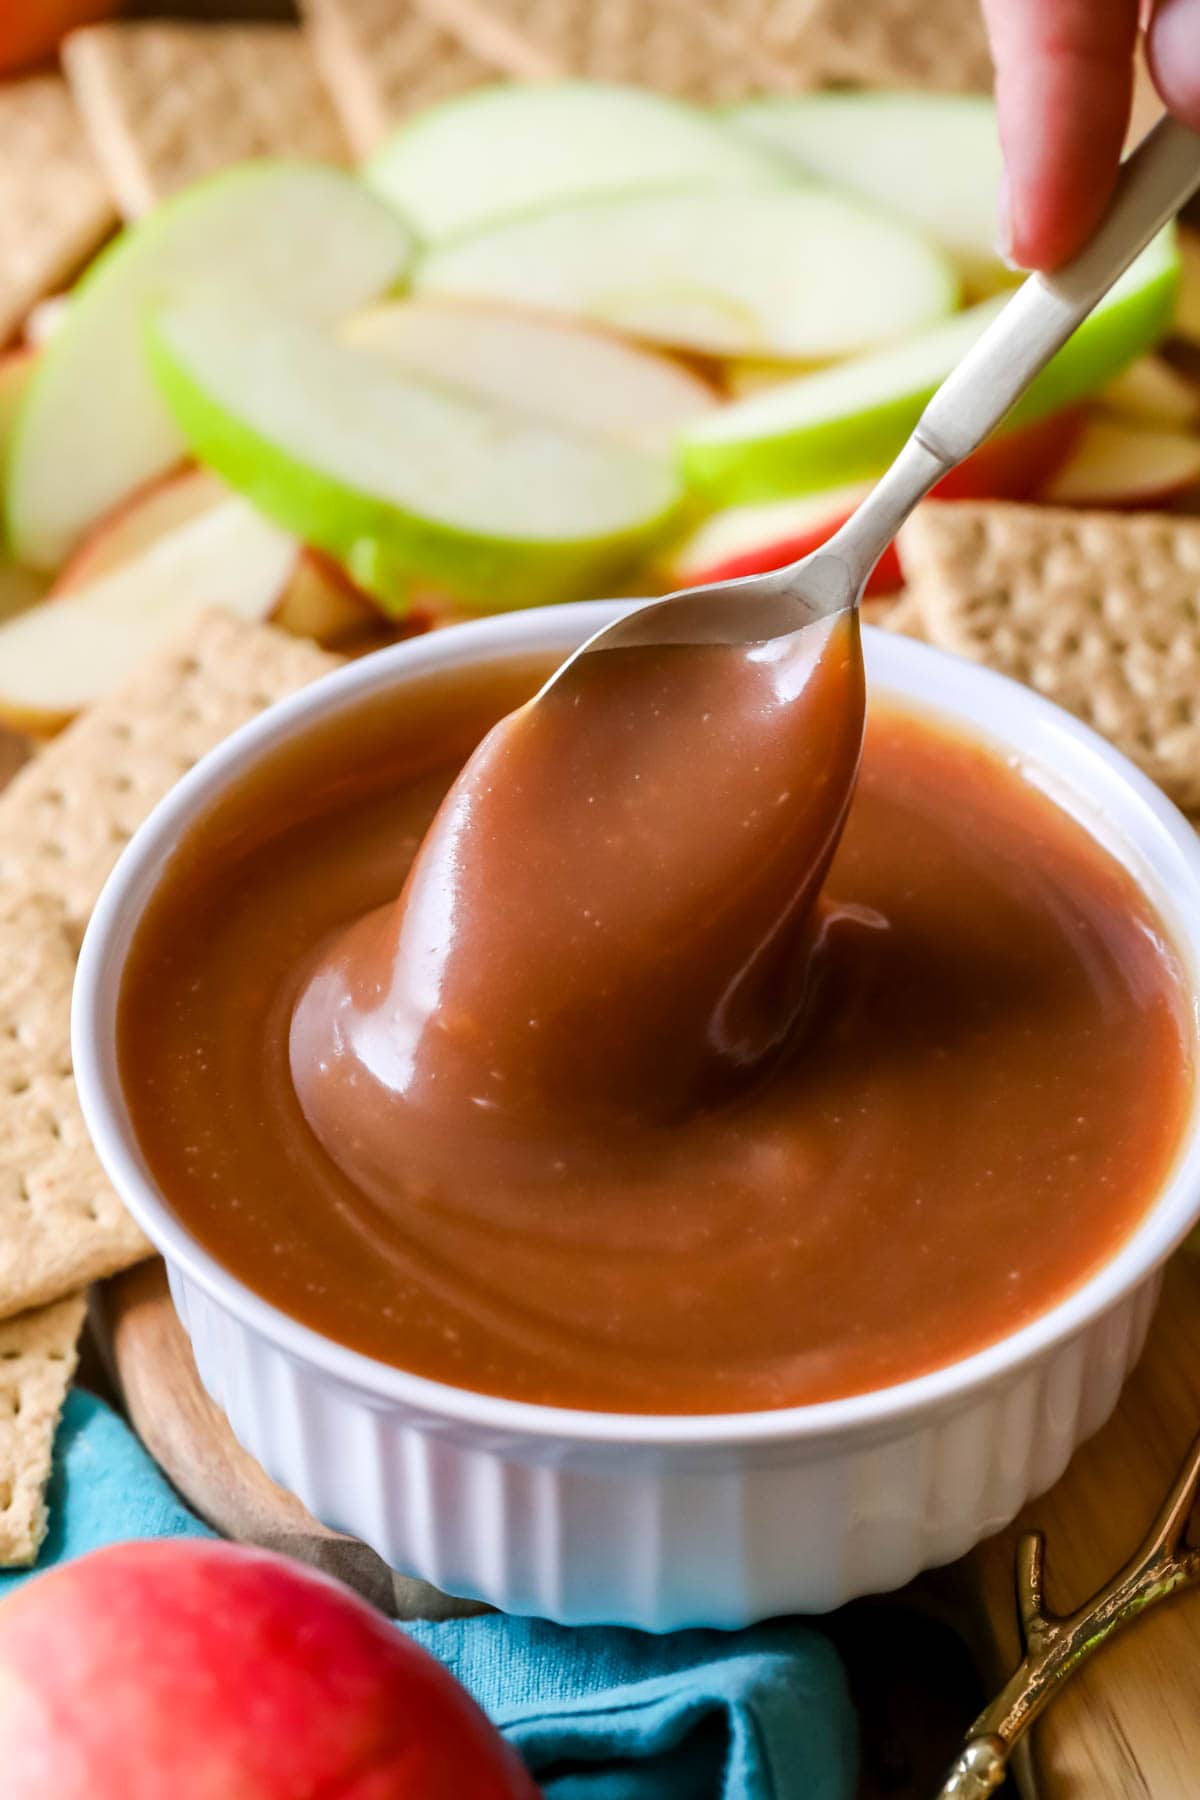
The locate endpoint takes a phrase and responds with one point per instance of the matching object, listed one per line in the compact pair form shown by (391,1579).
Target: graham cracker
(382,60)
(165,104)
(899,612)
(698,48)
(1099,611)
(64,819)
(54,205)
(61,1224)
(936,44)
(66,816)
(706,50)
(38,1352)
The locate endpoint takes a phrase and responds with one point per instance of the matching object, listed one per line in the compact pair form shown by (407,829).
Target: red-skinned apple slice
(65,653)
(747,540)
(1119,465)
(321,602)
(133,525)
(1015,465)
(1151,392)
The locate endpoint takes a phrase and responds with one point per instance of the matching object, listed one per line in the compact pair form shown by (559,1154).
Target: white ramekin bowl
(648,1521)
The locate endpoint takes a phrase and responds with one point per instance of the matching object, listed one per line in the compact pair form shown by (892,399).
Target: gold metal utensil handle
(1055,1647)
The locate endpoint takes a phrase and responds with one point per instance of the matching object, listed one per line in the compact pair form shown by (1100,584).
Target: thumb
(1173,51)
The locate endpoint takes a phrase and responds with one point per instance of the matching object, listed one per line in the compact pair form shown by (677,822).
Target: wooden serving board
(1128,1728)
(150,1361)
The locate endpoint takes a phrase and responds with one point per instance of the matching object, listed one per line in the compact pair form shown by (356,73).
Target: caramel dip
(641,1050)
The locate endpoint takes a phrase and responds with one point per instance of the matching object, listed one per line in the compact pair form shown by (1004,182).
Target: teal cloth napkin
(597,1714)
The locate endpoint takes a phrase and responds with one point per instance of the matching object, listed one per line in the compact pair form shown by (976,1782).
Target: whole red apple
(204,1671)
(31,29)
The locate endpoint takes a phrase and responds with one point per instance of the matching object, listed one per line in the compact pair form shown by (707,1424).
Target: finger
(1173,51)
(1064,84)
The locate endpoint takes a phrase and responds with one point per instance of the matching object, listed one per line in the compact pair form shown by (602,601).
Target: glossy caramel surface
(957,1086)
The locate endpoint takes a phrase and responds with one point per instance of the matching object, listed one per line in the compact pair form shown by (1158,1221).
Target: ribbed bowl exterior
(660,1536)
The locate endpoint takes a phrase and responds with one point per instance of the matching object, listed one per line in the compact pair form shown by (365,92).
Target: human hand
(1064,84)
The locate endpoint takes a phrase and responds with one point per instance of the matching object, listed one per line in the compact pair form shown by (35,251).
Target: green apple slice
(730,271)
(933,159)
(847,423)
(94,426)
(63,654)
(511,149)
(400,480)
(566,374)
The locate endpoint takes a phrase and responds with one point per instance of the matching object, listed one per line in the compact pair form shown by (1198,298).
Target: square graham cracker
(1100,611)
(936,44)
(383,60)
(165,104)
(38,1353)
(707,50)
(698,48)
(54,203)
(61,1224)
(66,816)
(64,819)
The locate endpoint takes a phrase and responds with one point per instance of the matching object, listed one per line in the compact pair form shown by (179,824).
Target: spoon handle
(1162,173)
(1152,185)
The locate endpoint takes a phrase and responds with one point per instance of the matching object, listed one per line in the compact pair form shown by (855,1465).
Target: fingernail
(1004,227)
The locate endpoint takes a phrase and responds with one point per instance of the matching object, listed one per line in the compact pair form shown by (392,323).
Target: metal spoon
(1162,173)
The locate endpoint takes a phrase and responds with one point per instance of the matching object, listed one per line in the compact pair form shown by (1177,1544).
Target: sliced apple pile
(510,149)
(769,270)
(932,159)
(551,329)
(399,479)
(63,654)
(846,422)
(551,369)
(94,427)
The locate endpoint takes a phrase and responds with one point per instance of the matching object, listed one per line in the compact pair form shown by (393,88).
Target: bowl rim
(1038,735)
